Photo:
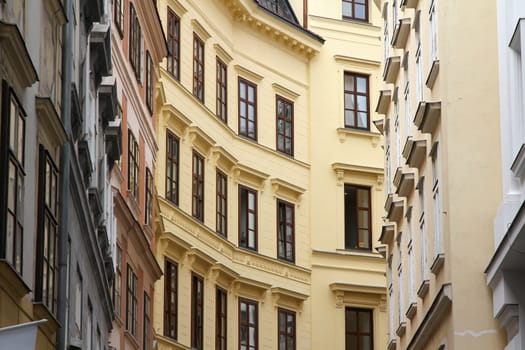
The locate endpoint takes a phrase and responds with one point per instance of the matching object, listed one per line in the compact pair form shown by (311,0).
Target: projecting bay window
(198,187)
(198,67)
(47,238)
(148,212)
(173,41)
(222,204)
(356,101)
(221,319)
(135,42)
(355,9)
(150,82)
(197,312)
(222,91)
(170,300)
(287,331)
(357,217)
(12,155)
(358,329)
(285,231)
(247,218)
(284,128)
(117,283)
(133,166)
(247,109)
(172,168)
(248,325)
(131,302)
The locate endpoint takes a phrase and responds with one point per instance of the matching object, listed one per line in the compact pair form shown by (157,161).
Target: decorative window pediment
(250,288)
(250,176)
(50,122)
(175,119)
(200,139)
(223,158)
(383,103)
(288,298)
(286,190)
(391,69)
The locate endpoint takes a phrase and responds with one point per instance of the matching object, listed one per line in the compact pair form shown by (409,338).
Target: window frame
(150,81)
(369,209)
(133,165)
(247,212)
(355,95)
(197,312)
(198,67)
(247,84)
(358,332)
(117,283)
(131,301)
(172,168)
(353,17)
(135,42)
(221,100)
(285,333)
(221,319)
(247,324)
(281,238)
(171,308)
(173,36)
(280,117)
(148,199)
(197,191)
(118,12)
(146,324)
(221,206)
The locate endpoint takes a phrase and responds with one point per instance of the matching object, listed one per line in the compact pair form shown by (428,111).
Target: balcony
(427,116)
(394,208)
(113,137)
(401,33)
(108,103)
(391,70)
(385,96)
(100,51)
(387,233)
(406,184)
(415,152)
(411,4)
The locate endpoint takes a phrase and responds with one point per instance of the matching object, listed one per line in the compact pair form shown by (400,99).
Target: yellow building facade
(258,245)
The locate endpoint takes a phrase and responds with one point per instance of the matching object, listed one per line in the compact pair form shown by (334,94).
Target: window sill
(366,253)
(401,329)
(422,291)
(12,282)
(344,133)
(392,344)
(411,311)
(518,165)
(437,264)
(41,311)
(131,338)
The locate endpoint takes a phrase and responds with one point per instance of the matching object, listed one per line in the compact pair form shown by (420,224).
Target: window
(438,235)
(47,239)
(358,329)
(172,168)
(222,90)
(89,326)
(117,283)
(173,44)
(135,41)
(149,198)
(286,330)
(285,231)
(197,312)
(247,218)
(433,31)
(355,9)
(248,325)
(133,165)
(284,125)
(131,302)
(198,67)
(357,217)
(150,82)
(422,230)
(118,12)
(198,187)
(221,319)
(170,299)
(78,302)
(222,204)
(147,323)
(247,109)
(356,101)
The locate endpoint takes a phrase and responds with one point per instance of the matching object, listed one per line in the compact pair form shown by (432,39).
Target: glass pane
(251,94)
(366,342)
(349,118)
(349,101)
(351,342)
(290,343)
(244,335)
(364,322)
(242,125)
(282,321)
(349,80)
(360,11)
(289,215)
(290,325)
(251,200)
(361,85)
(351,321)
(363,239)
(244,316)
(289,233)
(347,9)
(251,239)
(288,112)
(9,238)
(12,126)
(282,342)
(21,138)
(242,90)
(362,198)
(362,119)
(361,103)
(251,221)
(252,336)
(251,112)
(252,314)
(11,189)
(20,199)
(363,219)
(289,250)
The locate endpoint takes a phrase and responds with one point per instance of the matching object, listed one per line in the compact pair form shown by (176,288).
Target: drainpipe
(305,14)
(65,166)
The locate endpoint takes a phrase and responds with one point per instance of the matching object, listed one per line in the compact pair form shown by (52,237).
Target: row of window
(248,319)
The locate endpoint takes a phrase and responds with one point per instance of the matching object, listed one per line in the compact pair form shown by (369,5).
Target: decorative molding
(200,139)
(288,298)
(174,119)
(342,170)
(222,53)
(357,60)
(49,121)
(287,190)
(250,176)
(244,286)
(199,261)
(285,92)
(246,73)
(176,6)
(199,30)
(345,133)
(222,158)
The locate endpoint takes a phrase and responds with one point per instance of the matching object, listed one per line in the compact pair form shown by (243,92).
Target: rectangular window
(357,217)
(173,40)
(222,204)
(117,283)
(170,299)
(12,191)
(247,109)
(150,81)
(285,231)
(133,166)
(135,41)
(47,239)
(78,303)
(149,198)
(147,323)
(172,168)
(118,12)
(247,218)
(197,312)
(438,236)
(248,325)
(284,127)
(358,329)
(89,326)
(286,329)
(198,67)
(433,31)
(356,101)
(221,319)
(131,302)
(422,231)
(222,90)
(355,9)
(198,187)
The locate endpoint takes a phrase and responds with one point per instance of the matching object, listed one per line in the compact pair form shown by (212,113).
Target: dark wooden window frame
(135,42)
(244,86)
(172,167)
(282,137)
(118,12)
(197,312)
(198,67)
(353,4)
(148,203)
(198,186)
(221,203)
(369,209)
(355,94)
(221,319)
(173,40)
(117,283)
(249,325)
(282,222)
(282,330)
(150,81)
(221,108)
(359,333)
(244,241)
(146,325)
(171,282)
(133,165)
(131,301)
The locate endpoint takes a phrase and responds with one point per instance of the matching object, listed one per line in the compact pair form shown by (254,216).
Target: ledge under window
(401,329)
(427,116)
(385,96)
(387,233)
(345,133)
(518,165)
(432,74)
(394,208)
(406,184)
(422,291)
(411,311)
(411,4)
(391,70)
(401,33)
(392,344)
(416,153)
(437,264)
